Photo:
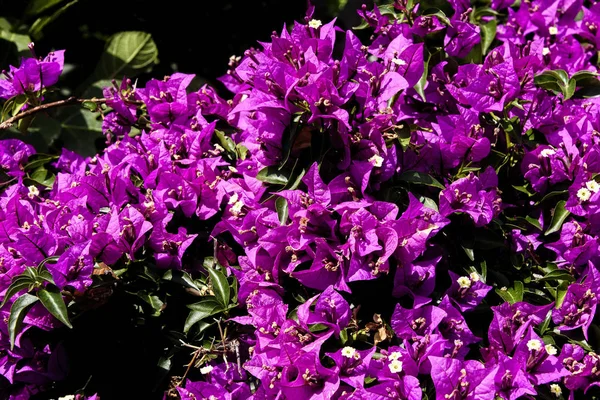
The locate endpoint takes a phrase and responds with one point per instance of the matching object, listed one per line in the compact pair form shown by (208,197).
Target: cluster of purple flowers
(337,162)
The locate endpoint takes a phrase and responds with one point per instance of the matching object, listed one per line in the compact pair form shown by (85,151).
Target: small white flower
(233,198)
(545,51)
(547,153)
(553,30)
(555,389)
(550,349)
(348,352)
(33,192)
(206,370)
(398,61)
(314,23)
(592,186)
(394,355)
(474,276)
(583,194)
(464,282)
(376,160)
(534,345)
(396,366)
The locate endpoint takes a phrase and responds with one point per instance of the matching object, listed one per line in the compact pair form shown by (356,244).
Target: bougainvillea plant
(410,215)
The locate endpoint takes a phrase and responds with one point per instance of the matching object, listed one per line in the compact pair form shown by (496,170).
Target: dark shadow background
(192,36)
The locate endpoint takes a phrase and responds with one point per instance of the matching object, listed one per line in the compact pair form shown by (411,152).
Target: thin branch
(61,103)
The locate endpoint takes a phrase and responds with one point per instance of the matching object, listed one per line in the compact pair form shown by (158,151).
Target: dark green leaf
(220,286)
(546,323)
(420,85)
(39,160)
(80,130)
(512,295)
(127,53)
(15,287)
(469,252)
(43,177)
(35,31)
(441,16)
(561,292)
(272,175)
(559,216)
(569,90)
(488,33)
(281,205)
(558,275)
(39,6)
(420,178)
(318,328)
(180,277)
(200,311)
(54,303)
(17,313)
(226,142)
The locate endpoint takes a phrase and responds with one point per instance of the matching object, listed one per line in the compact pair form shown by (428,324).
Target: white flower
(396,366)
(398,61)
(394,355)
(206,370)
(547,153)
(552,30)
(474,276)
(545,51)
(33,192)
(464,282)
(550,349)
(592,186)
(376,160)
(314,23)
(534,345)
(348,352)
(555,389)
(583,194)
(233,198)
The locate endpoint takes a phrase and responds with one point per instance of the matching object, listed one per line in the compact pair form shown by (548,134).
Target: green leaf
(180,277)
(220,286)
(441,16)
(560,215)
(80,129)
(318,328)
(43,177)
(35,31)
(17,313)
(200,311)
(54,303)
(420,178)
(512,295)
(18,284)
(561,292)
(543,327)
(281,205)
(273,176)
(127,53)
(153,301)
(420,85)
(37,7)
(558,275)
(488,33)
(226,142)
(569,90)
(469,252)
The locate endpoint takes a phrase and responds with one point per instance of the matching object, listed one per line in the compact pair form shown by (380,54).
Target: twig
(60,103)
